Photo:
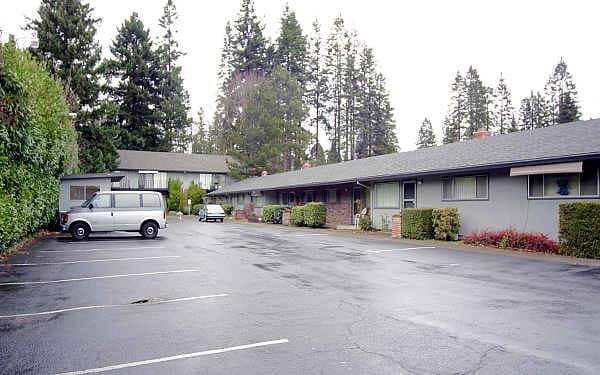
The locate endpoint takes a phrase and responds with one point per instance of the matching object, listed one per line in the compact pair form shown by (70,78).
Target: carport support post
(396,225)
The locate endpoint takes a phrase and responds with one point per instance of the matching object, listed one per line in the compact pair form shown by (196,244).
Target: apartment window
(387,195)
(150,200)
(240,199)
(465,188)
(565,185)
(127,200)
(82,193)
(292,198)
(309,196)
(330,196)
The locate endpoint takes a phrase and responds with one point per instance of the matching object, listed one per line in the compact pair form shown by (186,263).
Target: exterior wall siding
(64,201)
(132,177)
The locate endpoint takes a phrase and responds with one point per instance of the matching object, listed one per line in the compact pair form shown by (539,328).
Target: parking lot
(225,298)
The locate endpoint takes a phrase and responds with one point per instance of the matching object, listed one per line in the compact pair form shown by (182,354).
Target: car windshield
(87,202)
(214,208)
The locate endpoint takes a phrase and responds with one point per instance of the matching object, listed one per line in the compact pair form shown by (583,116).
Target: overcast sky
(419,45)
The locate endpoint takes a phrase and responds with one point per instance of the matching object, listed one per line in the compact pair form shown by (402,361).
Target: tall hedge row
(37,144)
(417,223)
(579,229)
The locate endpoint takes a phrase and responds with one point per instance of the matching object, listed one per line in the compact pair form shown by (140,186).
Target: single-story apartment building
(514,180)
(148,170)
(77,188)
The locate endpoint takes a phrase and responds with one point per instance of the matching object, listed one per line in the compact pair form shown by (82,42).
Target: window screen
(387,195)
(77,193)
(150,200)
(331,196)
(127,200)
(465,188)
(536,186)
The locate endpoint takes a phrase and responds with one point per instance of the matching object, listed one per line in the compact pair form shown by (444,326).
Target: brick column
(286,216)
(396,225)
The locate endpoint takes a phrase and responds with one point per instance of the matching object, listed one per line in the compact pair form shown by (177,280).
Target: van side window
(127,200)
(150,200)
(102,201)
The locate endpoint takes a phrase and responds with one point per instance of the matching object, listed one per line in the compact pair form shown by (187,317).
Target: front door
(357,203)
(409,194)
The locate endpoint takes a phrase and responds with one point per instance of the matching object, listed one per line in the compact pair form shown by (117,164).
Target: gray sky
(419,45)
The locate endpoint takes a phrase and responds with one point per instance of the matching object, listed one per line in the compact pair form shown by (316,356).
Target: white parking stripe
(90,261)
(95,277)
(175,357)
(400,249)
(100,241)
(103,249)
(105,306)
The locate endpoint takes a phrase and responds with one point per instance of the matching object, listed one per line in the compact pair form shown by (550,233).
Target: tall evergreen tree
(503,110)
(174,105)
(335,74)
(426,135)
(66,34)
(561,96)
(533,112)
(291,51)
(249,47)
(316,86)
(477,103)
(201,143)
(456,119)
(350,92)
(131,75)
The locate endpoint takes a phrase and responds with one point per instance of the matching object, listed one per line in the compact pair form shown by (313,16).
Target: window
(102,201)
(564,185)
(127,200)
(387,195)
(150,200)
(465,188)
(310,196)
(240,199)
(292,198)
(81,193)
(330,196)
(409,198)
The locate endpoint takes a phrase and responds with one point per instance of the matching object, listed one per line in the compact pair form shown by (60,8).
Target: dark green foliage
(196,208)
(37,144)
(315,214)
(426,135)
(568,110)
(417,223)
(176,195)
(316,92)
(278,213)
(196,194)
(561,96)
(228,208)
(201,140)
(534,112)
(579,229)
(268,212)
(503,110)
(445,223)
(297,215)
(291,51)
(250,50)
(365,222)
(477,104)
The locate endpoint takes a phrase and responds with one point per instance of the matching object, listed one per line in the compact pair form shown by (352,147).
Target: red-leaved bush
(510,238)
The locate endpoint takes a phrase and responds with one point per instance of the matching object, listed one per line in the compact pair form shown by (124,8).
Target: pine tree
(249,47)
(533,112)
(477,103)
(503,110)
(561,96)
(201,143)
(456,119)
(66,34)
(131,75)
(350,91)
(291,51)
(335,75)
(426,135)
(174,98)
(317,92)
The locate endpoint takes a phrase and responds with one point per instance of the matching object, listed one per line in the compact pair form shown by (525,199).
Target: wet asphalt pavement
(229,298)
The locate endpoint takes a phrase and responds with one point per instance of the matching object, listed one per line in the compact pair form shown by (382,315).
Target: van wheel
(80,231)
(149,230)
(221,220)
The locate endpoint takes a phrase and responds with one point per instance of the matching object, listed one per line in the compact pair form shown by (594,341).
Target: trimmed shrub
(176,196)
(196,194)
(37,144)
(315,214)
(417,223)
(364,222)
(298,215)
(579,229)
(445,223)
(228,208)
(196,208)
(510,238)
(268,212)
(278,213)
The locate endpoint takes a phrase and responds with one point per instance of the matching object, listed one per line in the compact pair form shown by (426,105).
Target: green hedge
(365,222)
(445,223)
(278,213)
(298,215)
(196,208)
(315,214)
(176,197)
(37,145)
(268,213)
(228,208)
(417,223)
(579,229)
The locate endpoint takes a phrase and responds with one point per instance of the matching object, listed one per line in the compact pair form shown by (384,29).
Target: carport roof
(114,177)
(571,141)
(172,161)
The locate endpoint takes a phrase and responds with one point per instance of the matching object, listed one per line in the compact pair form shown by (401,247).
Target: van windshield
(87,202)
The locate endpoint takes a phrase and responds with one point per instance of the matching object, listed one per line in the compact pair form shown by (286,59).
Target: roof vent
(306,165)
(264,173)
(481,133)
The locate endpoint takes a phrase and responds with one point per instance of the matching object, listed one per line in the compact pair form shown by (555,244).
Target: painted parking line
(175,357)
(96,277)
(90,261)
(100,241)
(102,249)
(400,249)
(107,306)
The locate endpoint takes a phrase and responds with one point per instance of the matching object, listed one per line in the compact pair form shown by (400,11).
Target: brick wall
(341,211)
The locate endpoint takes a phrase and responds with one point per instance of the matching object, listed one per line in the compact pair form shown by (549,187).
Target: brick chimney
(306,165)
(264,173)
(481,133)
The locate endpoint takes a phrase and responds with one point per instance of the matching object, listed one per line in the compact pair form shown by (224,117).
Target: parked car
(212,212)
(132,211)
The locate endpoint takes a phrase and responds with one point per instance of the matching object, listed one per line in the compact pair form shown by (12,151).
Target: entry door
(357,203)
(409,194)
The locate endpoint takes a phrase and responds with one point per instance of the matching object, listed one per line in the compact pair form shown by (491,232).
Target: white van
(132,211)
